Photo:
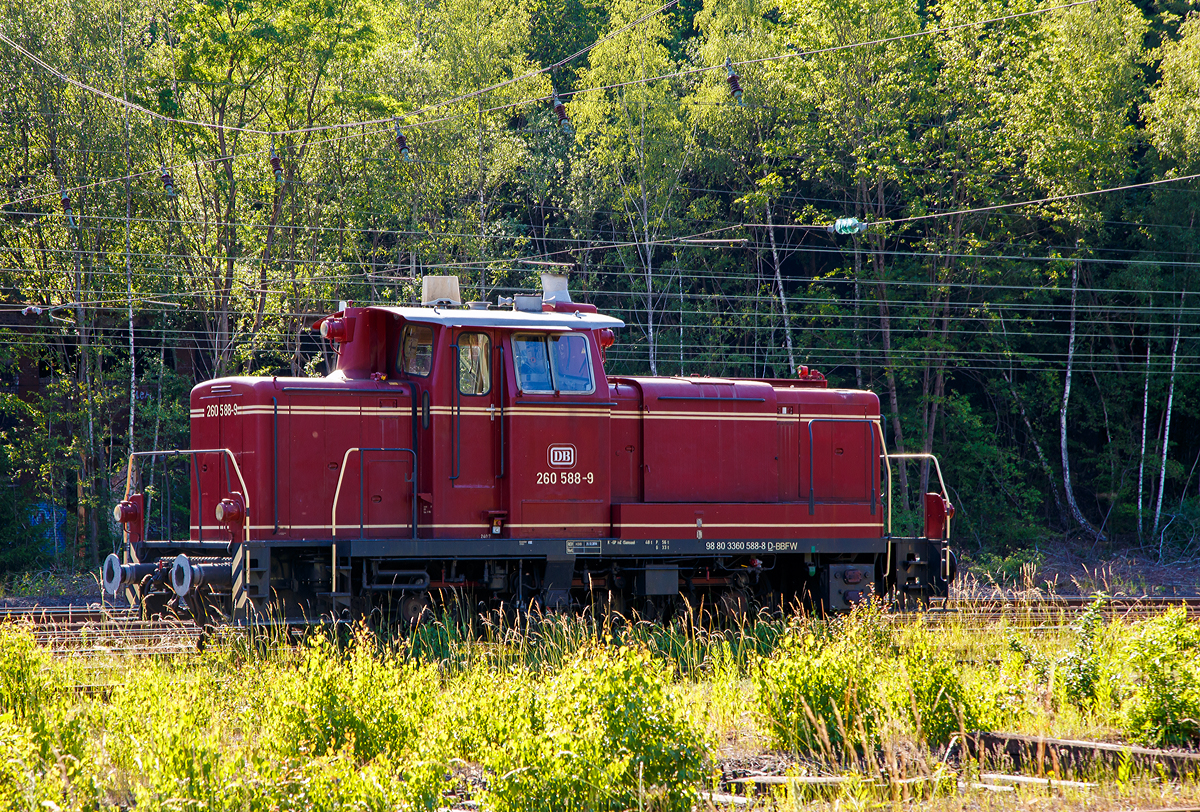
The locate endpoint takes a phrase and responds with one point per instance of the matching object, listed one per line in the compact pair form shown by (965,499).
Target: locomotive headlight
(229,511)
(333,329)
(125,512)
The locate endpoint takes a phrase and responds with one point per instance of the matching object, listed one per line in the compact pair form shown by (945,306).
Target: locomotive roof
(515,319)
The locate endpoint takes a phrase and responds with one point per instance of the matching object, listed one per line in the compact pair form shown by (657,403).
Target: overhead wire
(632,243)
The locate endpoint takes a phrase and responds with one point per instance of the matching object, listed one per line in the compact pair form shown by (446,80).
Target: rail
(193,453)
(342,473)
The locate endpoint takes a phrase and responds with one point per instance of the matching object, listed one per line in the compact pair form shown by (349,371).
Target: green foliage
(947,306)
(359,700)
(1164,662)
(1079,670)
(818,692)
(589,724)
(25,780)
(605,735)
(930,694)
(26,687)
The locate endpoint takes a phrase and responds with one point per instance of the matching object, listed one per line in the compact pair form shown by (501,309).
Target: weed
(931,695)
(1164,656)
(807,692)
(604,735)
(1078,670)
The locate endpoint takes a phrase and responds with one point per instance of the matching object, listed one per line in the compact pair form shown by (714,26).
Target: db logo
(561,456)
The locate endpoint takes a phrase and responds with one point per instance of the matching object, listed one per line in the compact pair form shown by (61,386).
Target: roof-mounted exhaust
(440,291)
(554,288)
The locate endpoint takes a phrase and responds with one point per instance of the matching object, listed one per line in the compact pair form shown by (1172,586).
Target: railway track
(96,630)
(93,629)
(71,613)
(1057,610)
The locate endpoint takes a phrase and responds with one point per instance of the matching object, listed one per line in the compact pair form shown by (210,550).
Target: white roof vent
(554,288)
(440,290)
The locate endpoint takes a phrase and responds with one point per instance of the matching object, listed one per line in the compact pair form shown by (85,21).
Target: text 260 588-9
(564,477)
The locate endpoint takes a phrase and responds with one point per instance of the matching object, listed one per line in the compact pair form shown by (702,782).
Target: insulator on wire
(276,166)
(401,142)
(735,86)
(560,110)
(847,225)
(68,211)
(168,183)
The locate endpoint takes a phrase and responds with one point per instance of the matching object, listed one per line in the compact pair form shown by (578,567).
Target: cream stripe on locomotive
(707,526)
(582,410)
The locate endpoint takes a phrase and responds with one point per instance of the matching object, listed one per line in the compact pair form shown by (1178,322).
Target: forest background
(1023,298)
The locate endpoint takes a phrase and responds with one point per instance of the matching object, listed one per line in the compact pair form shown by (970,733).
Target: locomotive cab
(483,452)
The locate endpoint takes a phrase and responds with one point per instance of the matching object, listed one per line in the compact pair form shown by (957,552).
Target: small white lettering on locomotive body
(220,410)
(565,477)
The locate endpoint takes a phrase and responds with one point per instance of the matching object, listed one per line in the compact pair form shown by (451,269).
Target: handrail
(941,481)
(175,452)
(193,452)
(457,423)
(503,391)
(342,473)
(275,458)
(887,570)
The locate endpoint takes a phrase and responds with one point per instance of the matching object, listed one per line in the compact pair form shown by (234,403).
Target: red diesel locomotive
(481,452)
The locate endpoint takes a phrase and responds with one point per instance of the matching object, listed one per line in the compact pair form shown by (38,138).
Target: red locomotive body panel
(621,457)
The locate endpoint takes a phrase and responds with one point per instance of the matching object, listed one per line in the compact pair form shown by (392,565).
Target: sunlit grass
(567,713)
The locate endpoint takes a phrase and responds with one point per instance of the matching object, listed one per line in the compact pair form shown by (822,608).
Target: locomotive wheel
(415,609)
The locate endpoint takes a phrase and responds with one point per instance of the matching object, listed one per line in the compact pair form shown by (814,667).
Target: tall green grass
(561,713)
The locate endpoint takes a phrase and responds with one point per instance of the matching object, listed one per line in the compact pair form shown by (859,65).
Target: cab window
(532,363)
(555,363)
(474,364)
(571,363)
(416,349)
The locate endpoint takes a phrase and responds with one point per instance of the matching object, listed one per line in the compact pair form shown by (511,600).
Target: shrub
(24,680)
(817,698)
(24,783)
(369,702)
(605,736)
(1164,655)
(931,695)
(1079,670)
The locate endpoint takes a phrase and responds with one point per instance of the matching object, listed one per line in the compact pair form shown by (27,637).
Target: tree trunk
(885,324)
(1037,447)
(650,298)
(1142,457)
(1162,474)
(858,328)
(783,306)
(1080,519)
